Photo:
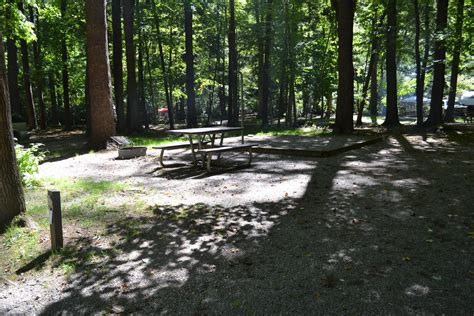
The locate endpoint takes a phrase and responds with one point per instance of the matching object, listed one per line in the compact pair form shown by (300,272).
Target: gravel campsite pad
(383,229)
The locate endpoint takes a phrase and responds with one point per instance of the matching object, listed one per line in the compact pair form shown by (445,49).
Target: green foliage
(14,23)
(28,162)
(304,131)
(310,52)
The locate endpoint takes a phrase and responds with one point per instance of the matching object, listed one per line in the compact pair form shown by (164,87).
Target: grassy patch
(302,131)
(87,206)
(21,246)
(150,142)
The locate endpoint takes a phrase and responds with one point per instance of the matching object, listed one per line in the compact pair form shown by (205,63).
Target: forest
(356,114)
(203,60)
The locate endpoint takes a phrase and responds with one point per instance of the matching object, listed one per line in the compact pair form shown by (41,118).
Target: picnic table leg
(250,155)
(209,158)
(192,149)
(220,144)
(161,158)
(201,140)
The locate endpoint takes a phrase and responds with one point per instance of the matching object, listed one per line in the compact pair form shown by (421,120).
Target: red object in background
(163,110)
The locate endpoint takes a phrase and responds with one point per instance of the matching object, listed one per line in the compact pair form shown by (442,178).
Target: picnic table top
(203,130)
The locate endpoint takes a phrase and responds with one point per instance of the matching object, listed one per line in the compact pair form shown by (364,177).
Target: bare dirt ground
(383,229)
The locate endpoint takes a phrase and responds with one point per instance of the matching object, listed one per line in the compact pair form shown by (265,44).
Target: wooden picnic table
(205,135)
(206,142)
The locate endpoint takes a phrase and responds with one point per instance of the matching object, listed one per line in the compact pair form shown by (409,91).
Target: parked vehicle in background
(467,98)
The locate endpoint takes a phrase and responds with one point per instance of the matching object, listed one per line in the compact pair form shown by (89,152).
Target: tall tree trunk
(100,88)
(391,118)
(15,99)
(88,102)
(282,106)
(455,63)
(30,106)
(365,89)
(329,106)
(151,85)
(12,202)
(141,77)
(345,92)
(134,122)
(370,69)
(170,64)
(54,101)
(189,58)
(419,86)
(39,70)
(233,112)
(290,117)
(374,95)
(266,64)
(163,70)
(260,54)
(426,54)
(64,56)
(118,64)
(437,91)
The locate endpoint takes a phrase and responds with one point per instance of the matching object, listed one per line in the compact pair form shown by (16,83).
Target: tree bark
(260,54)
(170,64)
(419,86)
(233,113)
(15,99)
(437,91)
(374,51)
(141,77)
(163,70)
(100,88)
(151,85)
(39,71)
(88,102)
(12,202)
(374,95)
(426,56)
(189,58)
(289,60)
(345,92)
(391,118)
(282,106)
(64,57)
(266,64)
(455,63)
(134,123)
(54,101)
(118,64)
(30,106)
(365,89)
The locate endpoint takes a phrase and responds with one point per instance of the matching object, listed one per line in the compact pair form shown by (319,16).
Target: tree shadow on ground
(375,232)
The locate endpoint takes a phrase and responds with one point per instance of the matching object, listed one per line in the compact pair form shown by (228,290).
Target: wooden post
(55,220)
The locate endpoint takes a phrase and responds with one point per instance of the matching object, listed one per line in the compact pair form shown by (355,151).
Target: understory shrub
(28,162)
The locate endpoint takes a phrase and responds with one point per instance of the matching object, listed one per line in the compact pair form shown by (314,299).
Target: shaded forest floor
(383,229)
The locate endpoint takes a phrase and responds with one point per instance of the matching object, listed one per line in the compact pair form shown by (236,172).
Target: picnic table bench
(209,151)
(171,147)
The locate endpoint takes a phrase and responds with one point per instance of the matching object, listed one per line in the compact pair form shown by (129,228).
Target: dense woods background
(202,60)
